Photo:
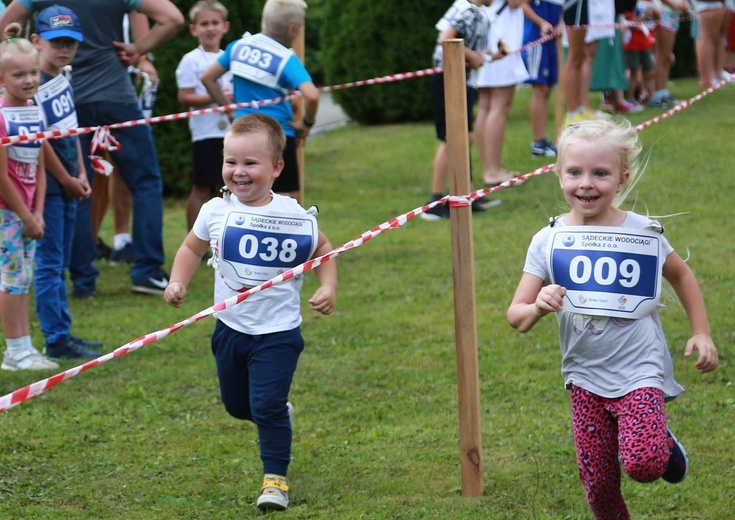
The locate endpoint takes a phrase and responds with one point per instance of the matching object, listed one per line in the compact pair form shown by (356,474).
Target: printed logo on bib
(607,273)
(23,121)
(255,248)
(56,99)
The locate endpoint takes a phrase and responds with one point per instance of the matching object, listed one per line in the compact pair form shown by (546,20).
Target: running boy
(22,189)
(275,74)
(615,361)
(57,37)
(208,24)
(257,234)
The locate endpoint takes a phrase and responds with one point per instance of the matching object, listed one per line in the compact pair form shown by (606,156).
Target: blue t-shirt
(292,75)
(98,74)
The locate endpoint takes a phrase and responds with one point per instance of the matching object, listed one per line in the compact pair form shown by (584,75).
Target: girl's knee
(644,470)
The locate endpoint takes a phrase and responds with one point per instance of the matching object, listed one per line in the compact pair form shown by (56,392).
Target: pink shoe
(627,107)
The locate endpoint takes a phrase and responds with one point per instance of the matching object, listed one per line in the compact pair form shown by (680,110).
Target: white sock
(16,344)
(121,240)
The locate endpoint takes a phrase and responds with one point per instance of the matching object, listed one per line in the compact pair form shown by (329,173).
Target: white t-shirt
(275,309)
(188,74)
(609,357)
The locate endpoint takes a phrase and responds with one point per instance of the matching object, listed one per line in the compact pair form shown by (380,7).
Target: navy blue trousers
(255,374)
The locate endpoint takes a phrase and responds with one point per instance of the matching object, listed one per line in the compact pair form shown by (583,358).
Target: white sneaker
(290,413)
(27,359)
(273,493)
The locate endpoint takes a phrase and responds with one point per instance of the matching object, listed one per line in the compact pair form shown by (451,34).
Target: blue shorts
(16,264)
(542,61)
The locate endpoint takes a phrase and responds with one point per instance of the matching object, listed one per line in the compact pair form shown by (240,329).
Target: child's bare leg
(14,315)
(539,111)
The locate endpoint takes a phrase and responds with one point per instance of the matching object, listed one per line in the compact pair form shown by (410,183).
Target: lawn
(376,429)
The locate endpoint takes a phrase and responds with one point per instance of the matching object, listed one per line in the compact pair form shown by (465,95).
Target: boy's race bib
(255,248)
(260,59)
(56,99)
(607,271)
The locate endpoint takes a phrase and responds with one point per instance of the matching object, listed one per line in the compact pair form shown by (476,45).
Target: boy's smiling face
(209,28)
(248,169)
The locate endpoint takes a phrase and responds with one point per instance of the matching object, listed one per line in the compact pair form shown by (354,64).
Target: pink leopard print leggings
(628,430)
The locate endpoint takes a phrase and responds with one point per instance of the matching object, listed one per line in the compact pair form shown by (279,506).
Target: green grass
(376,432)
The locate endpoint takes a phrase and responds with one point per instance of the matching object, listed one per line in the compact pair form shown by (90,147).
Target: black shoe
(67,349)
(85,343)
(438,212)
(153,284)
(483,203)
(83,295)
(678,465)
(122,255)
(102,250)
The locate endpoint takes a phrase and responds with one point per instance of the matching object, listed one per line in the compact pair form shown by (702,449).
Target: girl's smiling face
(590,175)
(248,169)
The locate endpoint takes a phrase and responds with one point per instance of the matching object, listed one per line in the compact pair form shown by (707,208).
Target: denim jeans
(137,163)
(53,254)
(255,374)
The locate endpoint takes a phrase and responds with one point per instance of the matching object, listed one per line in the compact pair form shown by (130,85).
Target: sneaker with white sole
(27,359)
(678,465)
(290,413)
(153,284)
(273,493)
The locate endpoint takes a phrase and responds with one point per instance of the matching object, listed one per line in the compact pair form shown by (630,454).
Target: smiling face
(248,168)
(209,28)
(590,175)
(21,75)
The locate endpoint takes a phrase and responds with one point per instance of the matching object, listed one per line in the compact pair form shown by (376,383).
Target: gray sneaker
(27,359)
(273,493)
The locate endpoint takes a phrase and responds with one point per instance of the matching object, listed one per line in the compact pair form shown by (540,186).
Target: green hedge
(362,39)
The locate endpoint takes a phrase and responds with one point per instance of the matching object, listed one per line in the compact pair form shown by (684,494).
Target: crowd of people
(623,49)
(245,180)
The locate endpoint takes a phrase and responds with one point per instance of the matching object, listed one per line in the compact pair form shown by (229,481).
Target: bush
(362,39)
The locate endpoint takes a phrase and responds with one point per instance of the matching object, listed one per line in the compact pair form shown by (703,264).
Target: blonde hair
(279,14)
(260,123)
(619,135)
(207,5)
(13,44)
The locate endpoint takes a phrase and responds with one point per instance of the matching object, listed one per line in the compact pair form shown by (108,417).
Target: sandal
(510,175)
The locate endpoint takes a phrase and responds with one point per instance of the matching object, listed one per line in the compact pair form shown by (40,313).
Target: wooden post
(559,111)
(465,326)
(298,106)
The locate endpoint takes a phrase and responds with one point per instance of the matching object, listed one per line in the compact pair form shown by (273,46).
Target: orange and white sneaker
(273,493)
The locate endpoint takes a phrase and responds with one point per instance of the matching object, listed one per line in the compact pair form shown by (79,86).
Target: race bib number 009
(607,273)
(256,248)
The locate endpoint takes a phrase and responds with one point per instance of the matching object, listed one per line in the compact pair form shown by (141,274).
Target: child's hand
(175,294)
(546,28)
(475,60)
(76,189)
(502,49)
(550,299)
(324,299)
(33,227)
(707,361)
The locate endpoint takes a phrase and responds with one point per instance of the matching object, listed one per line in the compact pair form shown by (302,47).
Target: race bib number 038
(256,248)
(605,272)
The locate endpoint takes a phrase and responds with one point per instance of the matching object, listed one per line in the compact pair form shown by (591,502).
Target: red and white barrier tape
(23,394)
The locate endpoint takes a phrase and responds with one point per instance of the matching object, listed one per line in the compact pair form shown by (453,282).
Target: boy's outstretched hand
(708,360)
(175,294)
(323,299)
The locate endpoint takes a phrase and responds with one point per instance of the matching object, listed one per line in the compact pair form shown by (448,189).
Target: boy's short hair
(279,14)
(207,5)
(261,123)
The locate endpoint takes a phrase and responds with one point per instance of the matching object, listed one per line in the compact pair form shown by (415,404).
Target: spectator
(638,45)
(57,37)
(666,31)
(255,80)
(543,18)
(105,95)
(208,24)
(22,190)
(712,24)
(497,82)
